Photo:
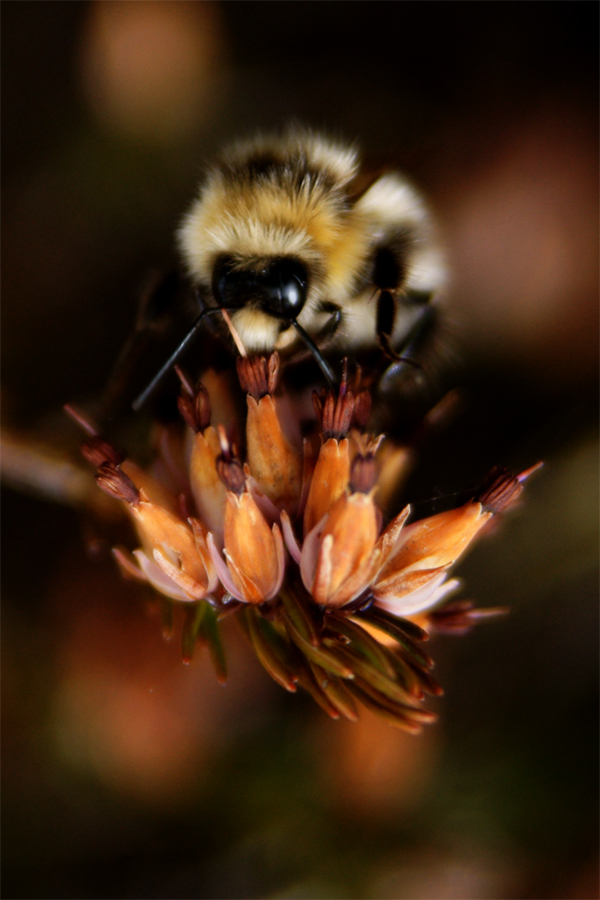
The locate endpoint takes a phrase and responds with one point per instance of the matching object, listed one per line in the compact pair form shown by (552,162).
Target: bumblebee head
(277,286)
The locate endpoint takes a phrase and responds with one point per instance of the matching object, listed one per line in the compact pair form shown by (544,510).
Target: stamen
(499,490)
(229,469)
(334,413)
(185,383)
(363,474)
(194,406)
(116,483)
(97,451)
(362,409)
(258,374)
(234,334)
(81,419)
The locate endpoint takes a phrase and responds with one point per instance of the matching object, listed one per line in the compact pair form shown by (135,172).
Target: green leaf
(194,614)
(392,716)
(387,686)
(319,655)
(395,628)
(209,632)
(300,615)
(335,690)
(267,646)
(361,641)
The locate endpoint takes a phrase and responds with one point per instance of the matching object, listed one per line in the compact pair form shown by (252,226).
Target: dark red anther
(117,484)
(334,412)
(194,405)
(97,451)
(499,490)
(258,374)
(229,469)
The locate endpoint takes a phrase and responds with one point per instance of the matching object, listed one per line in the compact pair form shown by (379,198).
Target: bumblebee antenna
(142,399)
(323,365)
(177,353)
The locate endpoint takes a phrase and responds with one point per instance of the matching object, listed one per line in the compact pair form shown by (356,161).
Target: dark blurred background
(127,774)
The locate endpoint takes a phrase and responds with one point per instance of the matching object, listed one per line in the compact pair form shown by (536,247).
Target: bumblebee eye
(279,288)
(232,287)
(285,286)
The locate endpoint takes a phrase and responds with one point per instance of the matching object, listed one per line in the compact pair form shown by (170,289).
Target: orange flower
(337,620)
(254,552)
(207,488)
(175,557)
(330,479)
(338,556)
(273,462)
(420,555)
(332,470)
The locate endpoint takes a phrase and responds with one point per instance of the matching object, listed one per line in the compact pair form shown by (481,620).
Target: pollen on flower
(293,544)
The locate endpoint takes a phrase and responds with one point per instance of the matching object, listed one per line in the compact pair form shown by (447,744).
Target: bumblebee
(304,250)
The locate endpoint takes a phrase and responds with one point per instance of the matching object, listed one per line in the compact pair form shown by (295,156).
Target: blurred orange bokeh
(152,70)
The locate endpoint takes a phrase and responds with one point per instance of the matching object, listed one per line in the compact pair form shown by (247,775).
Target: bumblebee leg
(414,340)
(386,316)
(389,274)
(407,389)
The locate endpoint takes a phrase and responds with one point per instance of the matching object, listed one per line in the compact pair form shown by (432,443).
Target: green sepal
(396,629)
(270,648)
(322,656)
(335,690)
(390,688)
(392,716)
(299,614)
(194,614)
(166,617)
(209,633)
(380,617)
(362,641)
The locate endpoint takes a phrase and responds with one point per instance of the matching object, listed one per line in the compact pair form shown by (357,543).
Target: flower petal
(310,554)
(158,579)
(280,561)
(222,570)
(322,579)
(191,588)
(250,591)
(273,461)
(435,542)
(422,598)
(251,545)
(290,537)
(404,582)
(207,488)
(329,481)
